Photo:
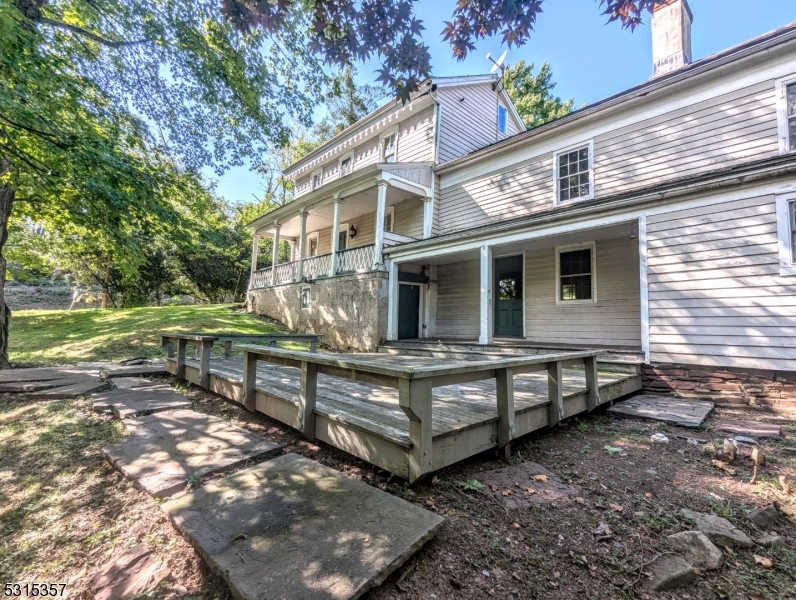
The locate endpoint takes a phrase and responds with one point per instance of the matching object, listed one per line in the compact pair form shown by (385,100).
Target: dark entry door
(408,311)
(508,296)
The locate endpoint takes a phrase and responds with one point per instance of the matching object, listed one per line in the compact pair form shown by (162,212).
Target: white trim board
(644,291)
(784,208)
(782,113)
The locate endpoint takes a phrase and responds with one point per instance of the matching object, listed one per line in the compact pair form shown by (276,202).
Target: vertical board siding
(614,320)
(416,137)
(716,296)
(733,128)
(458,303)
(466,125)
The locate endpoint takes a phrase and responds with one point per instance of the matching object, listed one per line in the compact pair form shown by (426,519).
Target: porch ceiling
(320,217)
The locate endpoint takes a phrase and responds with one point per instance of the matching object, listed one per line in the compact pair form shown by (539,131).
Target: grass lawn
(67,337)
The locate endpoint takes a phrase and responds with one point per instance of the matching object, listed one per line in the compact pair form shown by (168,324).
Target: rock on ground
(768,540)
(765,517)
(697,549)
(718,529)
(671,572)
(133,574)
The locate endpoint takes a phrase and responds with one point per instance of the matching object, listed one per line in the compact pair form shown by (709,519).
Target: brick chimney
(671,36)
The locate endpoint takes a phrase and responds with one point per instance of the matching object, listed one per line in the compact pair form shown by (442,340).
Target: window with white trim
(389,146)
(786,114)
(575,274)
(389,218)
(573,172)
(346,164)
(503,119)
(306,297)
(786,233)
(312,244)
(317,179)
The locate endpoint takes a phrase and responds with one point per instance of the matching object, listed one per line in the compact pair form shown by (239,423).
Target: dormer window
(573,174)
(389,146)
(346,164)
(317,179)
(503,119)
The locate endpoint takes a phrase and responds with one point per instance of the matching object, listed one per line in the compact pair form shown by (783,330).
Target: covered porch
(343,226)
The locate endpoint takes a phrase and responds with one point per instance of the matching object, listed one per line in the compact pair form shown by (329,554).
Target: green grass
(67,337)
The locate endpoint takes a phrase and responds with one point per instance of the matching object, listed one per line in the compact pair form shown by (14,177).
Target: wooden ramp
(366,420)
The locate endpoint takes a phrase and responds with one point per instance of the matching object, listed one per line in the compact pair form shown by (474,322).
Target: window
(389,145)
(317,179)
(786,233)
(503,118)
(312,244)
(306,296)
(389,218)
(342,237)
(576,276)
(573,171)
(786,114)
(346,164)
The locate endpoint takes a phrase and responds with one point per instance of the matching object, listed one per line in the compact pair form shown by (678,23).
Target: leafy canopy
(533,94)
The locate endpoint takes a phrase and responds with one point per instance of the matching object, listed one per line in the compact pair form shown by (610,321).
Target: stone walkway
(685,413)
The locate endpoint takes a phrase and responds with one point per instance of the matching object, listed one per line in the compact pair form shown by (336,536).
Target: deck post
(414,398)
(505,403)
(249,380)
(335,238)
(182,346)
(428,216)
(392,300)
(204,364)
(555,393)
(275,253)
(592,383)
(302,246)
(308,392)
(228,348)
(485,334)
(381,210)
(314,346)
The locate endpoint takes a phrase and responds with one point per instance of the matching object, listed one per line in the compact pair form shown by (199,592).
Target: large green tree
(532,94)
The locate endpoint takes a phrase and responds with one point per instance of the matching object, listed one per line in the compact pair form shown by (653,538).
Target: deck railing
(355,259)
(261,278)
(285,273)
(317,266)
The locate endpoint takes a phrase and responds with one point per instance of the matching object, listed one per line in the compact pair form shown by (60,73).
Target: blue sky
(590,60)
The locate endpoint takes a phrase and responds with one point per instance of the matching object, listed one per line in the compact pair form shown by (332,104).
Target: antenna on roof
(498,65)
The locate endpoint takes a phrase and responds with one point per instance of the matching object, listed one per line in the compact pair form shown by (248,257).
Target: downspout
(437,108)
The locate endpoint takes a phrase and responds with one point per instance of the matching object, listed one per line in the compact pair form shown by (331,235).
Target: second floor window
(790,102)
(388,148)
(503,118)
(573,174)
(345,166)
(792,218)
(317,180)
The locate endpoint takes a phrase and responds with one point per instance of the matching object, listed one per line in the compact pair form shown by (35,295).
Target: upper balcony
(343,227)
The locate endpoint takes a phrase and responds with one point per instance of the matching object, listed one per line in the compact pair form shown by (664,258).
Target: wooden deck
(366,420)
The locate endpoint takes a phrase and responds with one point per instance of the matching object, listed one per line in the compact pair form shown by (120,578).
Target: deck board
(375,408)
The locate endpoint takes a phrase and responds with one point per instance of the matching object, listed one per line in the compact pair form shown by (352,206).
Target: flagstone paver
(291,528)
(685,413)
(139,401)
(165,450)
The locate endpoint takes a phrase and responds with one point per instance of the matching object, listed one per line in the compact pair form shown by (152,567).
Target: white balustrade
(317,266)
(261,278)
(355,259)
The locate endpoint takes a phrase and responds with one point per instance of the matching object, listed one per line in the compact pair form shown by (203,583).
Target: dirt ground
(64,511)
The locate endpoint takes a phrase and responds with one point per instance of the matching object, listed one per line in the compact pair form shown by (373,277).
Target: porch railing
(285,273)
(317,266)
(355,259)
(261,278)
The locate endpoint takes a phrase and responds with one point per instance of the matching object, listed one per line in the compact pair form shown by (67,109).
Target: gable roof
(681,77)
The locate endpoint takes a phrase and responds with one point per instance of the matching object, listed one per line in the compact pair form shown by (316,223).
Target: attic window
(573,172)
(388,148)
(345,165)
(503,119)
(317,179)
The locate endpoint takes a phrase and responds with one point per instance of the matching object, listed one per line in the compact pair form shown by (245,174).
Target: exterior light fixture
(633,230)
(352,232)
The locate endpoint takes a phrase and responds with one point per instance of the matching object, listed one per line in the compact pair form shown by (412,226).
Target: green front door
(508,296)
(408,311)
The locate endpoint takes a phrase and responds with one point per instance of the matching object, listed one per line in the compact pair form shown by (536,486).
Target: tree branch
(90,34)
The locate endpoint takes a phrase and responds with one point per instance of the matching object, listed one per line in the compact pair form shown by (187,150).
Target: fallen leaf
(603,532)
(728,550)
(541,478)
(435,480)
(723,466)
(240,536)
(516,525)
(611,450)
(648,495)
(506,492)
(556,574)
(493,487)
(617,507)
(515,576)
(757,597)
(784,484)
(764,562)
(430,504)
(580,500)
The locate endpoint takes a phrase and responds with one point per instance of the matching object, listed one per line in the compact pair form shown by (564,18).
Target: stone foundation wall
(772,389)
(349,311)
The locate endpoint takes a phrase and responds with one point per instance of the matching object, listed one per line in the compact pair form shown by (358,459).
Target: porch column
(335,238)
(275,253)
(302,243)
(428,217)
(381,209)
(255,252)
(392,301)
(486,305)
(644,291)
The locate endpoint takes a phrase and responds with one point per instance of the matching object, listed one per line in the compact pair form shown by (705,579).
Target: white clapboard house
(658,223)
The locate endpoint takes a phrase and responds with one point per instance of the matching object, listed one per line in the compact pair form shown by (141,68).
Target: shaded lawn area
(66,337)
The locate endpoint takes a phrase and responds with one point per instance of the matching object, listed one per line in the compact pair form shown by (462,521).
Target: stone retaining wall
(773,389)
(349,311)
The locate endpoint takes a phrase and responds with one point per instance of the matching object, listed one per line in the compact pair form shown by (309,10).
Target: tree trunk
(157,294)
(106,283)
(6,204)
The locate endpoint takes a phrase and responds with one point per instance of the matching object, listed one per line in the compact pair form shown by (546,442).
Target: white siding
(416,137)
(458,300)
(409,218)
(614,320)
(468,120)
(716,296)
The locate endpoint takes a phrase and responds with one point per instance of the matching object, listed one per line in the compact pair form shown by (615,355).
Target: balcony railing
(353,260)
